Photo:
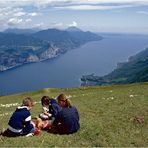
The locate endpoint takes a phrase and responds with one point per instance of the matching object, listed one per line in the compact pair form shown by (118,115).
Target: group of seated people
(58,116)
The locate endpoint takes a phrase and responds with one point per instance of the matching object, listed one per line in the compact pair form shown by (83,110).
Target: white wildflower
(5,114)
(2,105)
(69,96)
(37,102)
(9,105)
(111,98)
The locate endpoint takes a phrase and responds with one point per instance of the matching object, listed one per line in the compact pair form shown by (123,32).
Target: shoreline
(55,56)
(19,65)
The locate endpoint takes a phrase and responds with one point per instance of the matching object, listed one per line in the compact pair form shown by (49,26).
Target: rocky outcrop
(32,58)
(3,68)
(49,53)
(17,59)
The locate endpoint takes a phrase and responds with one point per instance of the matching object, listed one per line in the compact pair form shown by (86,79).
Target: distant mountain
(20,47)
(11,39)
(84,37)
(73,29)
(54,36)
(66,40)
(20,31)
(135,70)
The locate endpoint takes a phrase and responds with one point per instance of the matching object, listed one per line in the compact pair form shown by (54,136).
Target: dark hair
(45,100)
(27,102)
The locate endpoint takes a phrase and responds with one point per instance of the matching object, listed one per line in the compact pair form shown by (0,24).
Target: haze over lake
(99,57)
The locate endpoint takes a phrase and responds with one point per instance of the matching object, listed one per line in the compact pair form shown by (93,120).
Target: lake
(99,57)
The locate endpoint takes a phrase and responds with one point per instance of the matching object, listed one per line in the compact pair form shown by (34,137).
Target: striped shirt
(20,121)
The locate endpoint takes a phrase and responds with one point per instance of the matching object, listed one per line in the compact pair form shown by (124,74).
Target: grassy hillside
(109,117)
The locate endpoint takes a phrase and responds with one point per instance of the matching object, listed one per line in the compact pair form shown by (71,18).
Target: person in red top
(46,118)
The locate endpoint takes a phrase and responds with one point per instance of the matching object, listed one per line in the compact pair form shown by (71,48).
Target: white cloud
(64,3)
(4,9)
(19,22)
(15,17)
(108,1)
(93,7)
(144,2)
(19,14)
(17,9)
(28,20)
(40,25)
(33,14)
(74,24)
(16,6)
(8,12)
(61,25)
(14,21)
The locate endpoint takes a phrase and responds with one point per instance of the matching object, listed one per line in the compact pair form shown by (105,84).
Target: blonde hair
(63,97)
(27,102)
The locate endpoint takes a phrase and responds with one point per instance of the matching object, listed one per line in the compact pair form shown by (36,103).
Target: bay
(65,71)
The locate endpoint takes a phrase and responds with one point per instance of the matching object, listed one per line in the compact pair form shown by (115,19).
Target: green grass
(106,117)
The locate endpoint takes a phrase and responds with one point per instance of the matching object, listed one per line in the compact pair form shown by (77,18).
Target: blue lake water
(65,71)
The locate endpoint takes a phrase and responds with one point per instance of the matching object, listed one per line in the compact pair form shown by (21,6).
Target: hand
(46,113)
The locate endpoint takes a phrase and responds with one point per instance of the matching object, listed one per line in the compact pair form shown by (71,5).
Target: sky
(118,16)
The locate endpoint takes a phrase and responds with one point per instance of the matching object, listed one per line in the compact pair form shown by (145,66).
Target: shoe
(30,135)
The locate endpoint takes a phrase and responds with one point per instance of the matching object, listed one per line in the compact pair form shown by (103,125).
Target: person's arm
(45,109)
(45,116)
(57,119)
(56,109)
(27,124)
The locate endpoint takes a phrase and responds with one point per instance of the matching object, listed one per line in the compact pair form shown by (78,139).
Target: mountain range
(21,46)
(135,70)
(21,31)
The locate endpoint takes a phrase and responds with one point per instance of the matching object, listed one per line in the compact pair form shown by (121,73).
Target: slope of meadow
(109,116)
